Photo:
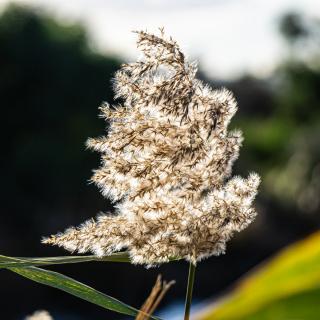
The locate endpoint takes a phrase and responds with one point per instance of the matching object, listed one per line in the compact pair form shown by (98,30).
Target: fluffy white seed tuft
(166,160)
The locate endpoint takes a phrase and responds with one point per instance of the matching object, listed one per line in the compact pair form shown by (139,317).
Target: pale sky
(228,37)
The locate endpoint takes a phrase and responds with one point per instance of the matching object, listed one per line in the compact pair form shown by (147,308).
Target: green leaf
(19,262)
(301,306)
(8,262)
(25,267)
(286,287)
(73,287)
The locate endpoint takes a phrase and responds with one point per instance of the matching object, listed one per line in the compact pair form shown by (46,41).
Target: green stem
(192,270)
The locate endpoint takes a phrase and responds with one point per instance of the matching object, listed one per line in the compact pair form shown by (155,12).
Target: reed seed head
(166,163)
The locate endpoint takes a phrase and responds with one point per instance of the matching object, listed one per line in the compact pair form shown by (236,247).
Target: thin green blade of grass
(10,262)
(21,262)
(76,288)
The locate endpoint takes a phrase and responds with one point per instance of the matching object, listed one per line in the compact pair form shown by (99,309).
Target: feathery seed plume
(166,162)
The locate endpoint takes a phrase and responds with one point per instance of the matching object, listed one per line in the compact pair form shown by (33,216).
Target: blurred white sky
(228,37)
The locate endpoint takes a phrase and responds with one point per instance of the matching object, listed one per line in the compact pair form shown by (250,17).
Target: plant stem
(192,270)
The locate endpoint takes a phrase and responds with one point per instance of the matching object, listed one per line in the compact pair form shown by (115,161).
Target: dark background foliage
(51,83)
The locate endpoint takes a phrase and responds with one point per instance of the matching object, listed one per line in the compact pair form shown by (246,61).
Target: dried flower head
(167,162)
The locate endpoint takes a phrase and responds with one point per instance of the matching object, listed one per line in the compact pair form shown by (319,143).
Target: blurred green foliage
(284,144)
(287,287)
(51,84)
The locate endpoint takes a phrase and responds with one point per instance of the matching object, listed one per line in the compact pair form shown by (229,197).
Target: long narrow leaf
(9,262)
(21,262)
(76,288)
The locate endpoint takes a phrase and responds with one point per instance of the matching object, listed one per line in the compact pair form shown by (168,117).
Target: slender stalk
(192,270)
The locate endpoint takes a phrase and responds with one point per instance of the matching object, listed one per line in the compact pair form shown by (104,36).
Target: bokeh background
(57,59)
